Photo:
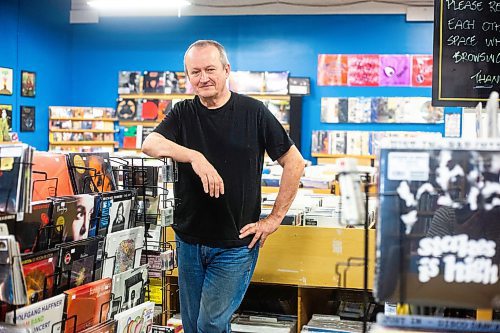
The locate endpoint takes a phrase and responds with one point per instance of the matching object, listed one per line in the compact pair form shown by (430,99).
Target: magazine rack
(150,178)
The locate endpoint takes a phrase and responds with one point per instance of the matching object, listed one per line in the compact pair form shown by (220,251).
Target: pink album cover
(332,70)
(363,70)
(421,70)
(394,70)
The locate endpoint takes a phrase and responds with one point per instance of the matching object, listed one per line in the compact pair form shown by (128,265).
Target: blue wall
(253,43)
(35,36)
(79,64)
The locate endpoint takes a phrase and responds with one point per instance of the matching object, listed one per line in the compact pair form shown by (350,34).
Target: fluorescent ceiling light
(126,5)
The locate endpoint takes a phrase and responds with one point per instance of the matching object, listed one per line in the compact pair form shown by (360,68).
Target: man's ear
(227,69)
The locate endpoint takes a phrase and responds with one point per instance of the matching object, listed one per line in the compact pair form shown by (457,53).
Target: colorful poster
(363,70)
(6,75)
(394,70)
(421,70)
(332,70)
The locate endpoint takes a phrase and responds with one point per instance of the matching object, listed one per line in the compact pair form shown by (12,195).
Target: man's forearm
(289,184)
(156,145)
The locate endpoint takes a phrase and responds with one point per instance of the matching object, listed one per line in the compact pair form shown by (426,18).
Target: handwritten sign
(466,51)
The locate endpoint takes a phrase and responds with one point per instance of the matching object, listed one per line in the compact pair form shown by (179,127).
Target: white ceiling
(416,10)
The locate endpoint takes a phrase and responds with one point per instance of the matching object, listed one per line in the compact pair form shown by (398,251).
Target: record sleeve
(27,118)
(126,109)
(40,274)
(128,289)
(138,319)
(123,251)
(276,83)
(129,82)
(80,262)
(11,158)
(71,216)
(31,238)
(439,232)
(91,172)
(57,182)
(89,304)
(119,212)
(42,317)
(154,82)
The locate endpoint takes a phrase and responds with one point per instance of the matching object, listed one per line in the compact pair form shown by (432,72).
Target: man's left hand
(261,229)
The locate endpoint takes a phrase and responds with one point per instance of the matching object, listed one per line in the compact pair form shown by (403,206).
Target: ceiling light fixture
(137,5)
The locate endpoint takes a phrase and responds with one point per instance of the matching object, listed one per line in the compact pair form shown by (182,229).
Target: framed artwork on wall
(6,76)
(27,118)
(28,84)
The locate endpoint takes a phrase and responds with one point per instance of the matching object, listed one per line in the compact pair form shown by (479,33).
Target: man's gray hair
(208,42)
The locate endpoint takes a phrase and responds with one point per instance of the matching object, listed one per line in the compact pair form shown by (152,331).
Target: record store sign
(466,51)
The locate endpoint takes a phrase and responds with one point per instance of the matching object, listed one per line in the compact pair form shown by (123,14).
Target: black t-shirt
(233,139)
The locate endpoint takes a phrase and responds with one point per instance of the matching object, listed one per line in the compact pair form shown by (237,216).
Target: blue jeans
(212,283)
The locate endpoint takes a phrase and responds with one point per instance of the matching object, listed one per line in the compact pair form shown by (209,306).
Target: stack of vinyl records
(12,283)
(333,324)
(15,178)
(242,323)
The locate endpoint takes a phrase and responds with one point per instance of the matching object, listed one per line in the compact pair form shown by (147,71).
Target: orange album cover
(421,70)
(88,305)
(58,183)
(332,70)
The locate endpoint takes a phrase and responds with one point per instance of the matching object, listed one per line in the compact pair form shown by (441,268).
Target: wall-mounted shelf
(84,119)
(84,143)
(81,130)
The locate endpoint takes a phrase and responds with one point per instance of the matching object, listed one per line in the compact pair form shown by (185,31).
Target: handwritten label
(466,51)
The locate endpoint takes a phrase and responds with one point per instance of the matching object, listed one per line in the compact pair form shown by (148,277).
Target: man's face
(206,73)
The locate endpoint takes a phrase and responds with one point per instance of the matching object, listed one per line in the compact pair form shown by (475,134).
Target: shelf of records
(175,82)
(414,110)
(81,128)
(154,108)
(360,143)
(82,237)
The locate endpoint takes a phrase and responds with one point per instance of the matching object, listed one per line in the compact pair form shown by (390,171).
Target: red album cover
(89,303)
(363,70)
(39,272)
(129,142)
(421,70)
(332,70)
(58,182)
(150,109)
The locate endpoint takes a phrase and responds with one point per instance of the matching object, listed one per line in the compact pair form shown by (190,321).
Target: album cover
(332,70)
(421,70)
(394,70)
(80,262)
(57,180)
(28,84)
(363,70)
(89,304)
(71,216)
(12,283)
(128,289)
(329,110)
(154,82)
(129,82)
(42,317)
(152,260)
(40,274)
(6,77)
(354,144)
(145,132)
(12,159)
(119,211)
(148,109)
(246,82)
(381,112)
(276,83)
(164,106)
(183,84)
(126,109)
(320,142)
(138,319)
(91,172)
(123,251)
(280,109)
(360,110)
(95,216)
(338,141)
(6,118)
(144,179)
(27,118)
(438,234)
(28,231)
(106,203)
(150,205)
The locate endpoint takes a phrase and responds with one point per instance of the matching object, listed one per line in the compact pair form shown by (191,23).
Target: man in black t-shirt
(219,139)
